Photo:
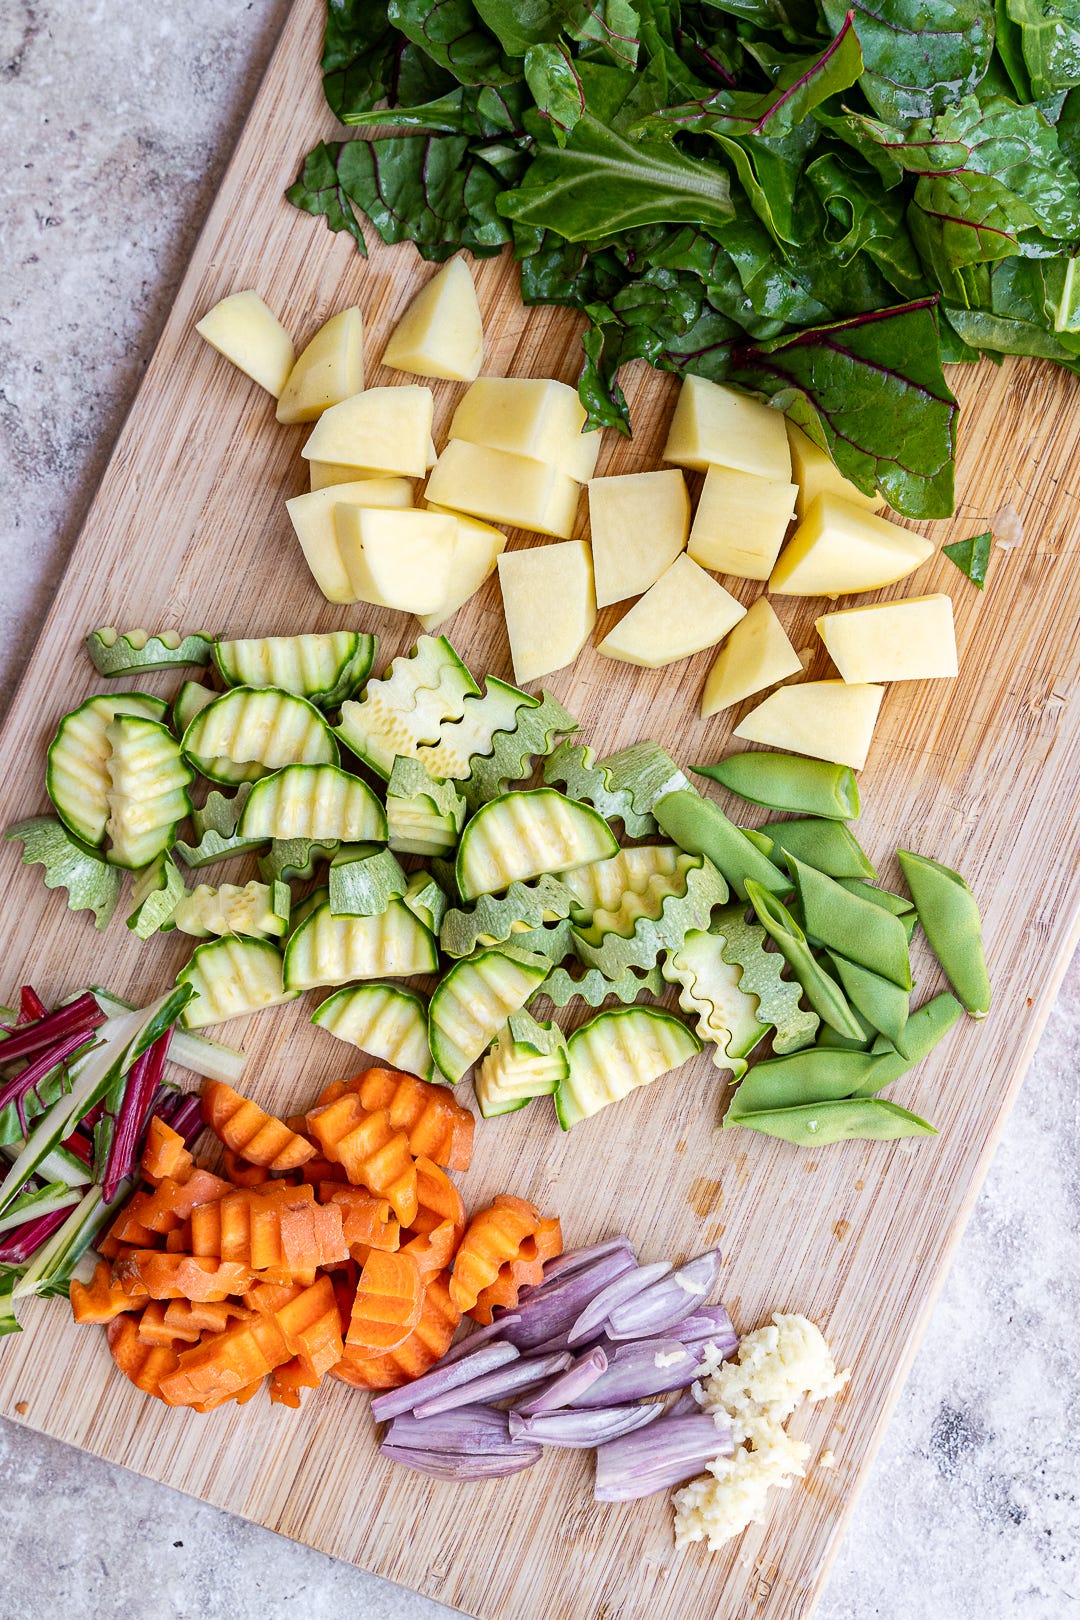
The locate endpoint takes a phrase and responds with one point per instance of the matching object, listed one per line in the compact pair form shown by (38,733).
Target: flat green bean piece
(808,787)
(878,1001)
(828,846)
(870,1118)
(816,1075)
(925,1027)
(898,904)
(950,920)
(822,992)
(835,1042)
(700,827)
(858,930)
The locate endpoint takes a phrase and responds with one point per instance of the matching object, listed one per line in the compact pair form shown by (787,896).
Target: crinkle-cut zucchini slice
(137,652)
(407,709)
(191,699)
(460,741)
(325,669)
(91,883)
(656,921)
(426,900)
(157,891)
(646,900)
(76,775)
(593,987)
(615,1053)
(555,940)
(254,910)
(525,834)
(248,732)
(363,880)
(473,1000)
(148,790)
(424,815)
(307,907)
(319,802)
(710,990)
(624,787)
(295,859)
(387,1021)
(602,885)
(538,723)
(215,827)
(232,977)
(326,949)
(526,1060)
(742,944)
(524,906)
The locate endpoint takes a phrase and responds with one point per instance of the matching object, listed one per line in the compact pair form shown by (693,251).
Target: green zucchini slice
(526,1060)
(624,787)
(215,828)
(137,652)
(248,732)
(326,949)
(148,790)
(91,883)
(387,1021)
(426,900)
(538,723)
(407,709)
(461,741)
(364,879)
(320,802)
(617,1052)
(525,834)
(232,977)
(472,1002)
(253,910)
(602,885)
(191,699)
(656,920)
(742,945)
(593,987)
(325,669)
(157,891)
(524,906)
(295,859)
(76,775)
(424,815)
(710,990)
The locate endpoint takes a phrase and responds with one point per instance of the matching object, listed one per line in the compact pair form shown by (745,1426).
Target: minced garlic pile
(778,1366)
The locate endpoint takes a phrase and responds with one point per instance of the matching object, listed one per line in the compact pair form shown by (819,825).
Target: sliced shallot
(453,1466)
(642,1367)
(467,1431)
(579,1430)
(672,1451)
(441,1379)
(553,1308)
(578,1259)
(494,1386)
(474,1339)
(667,1302)
(590,1323)
(568,1386)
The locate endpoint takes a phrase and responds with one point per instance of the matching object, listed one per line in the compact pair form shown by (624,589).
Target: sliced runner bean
(828,846)
(950,920)
(700,827)
(878,1001)
(816,1075)
(898,904)
(925,1027)
(870,1118)
(822,992)
(808,787)
(860,931)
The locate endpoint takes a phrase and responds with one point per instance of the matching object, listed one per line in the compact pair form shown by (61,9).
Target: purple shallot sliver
(474,1339)
(667,1453)
(667,1302)
(447,1465)
(467,1431)
(642,1367)
(552,1309)
(568,1386)
(577,1429)
(590,1324)
(576,1259)
(440,1379)
(525,1373)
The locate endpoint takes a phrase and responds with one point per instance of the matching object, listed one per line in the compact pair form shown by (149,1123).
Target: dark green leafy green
(972,556)
(919,58)
(1049,40)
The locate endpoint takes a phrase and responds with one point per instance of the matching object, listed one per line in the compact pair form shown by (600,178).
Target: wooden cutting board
(189,529)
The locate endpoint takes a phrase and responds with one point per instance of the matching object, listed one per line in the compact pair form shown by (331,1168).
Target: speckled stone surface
(115,123)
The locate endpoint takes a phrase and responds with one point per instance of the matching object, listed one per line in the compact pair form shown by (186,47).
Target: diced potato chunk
(396,559)
(740,522)
(716,427)
(684,612)
(826,719)
(386,430)
(329,370)
(312,518)
(249,334)
(638,523)
(912,640)
(478,549)
(529,416)
(816,473)
(441,333)
(757,654)
(839,548)
(549,605)
(504,488)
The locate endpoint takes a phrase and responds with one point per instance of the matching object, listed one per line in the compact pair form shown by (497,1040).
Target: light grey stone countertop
(116,121)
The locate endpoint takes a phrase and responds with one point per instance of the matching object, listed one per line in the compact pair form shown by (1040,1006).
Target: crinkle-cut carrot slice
(148,1273)
(178,1242)
(438,1200)
(266,1299)
(165,1154)
(171,1203)
(524,1272)
(434,1250)
(288,1380)
(225,1363)
(388,1302)
(188,1320)
(319,1170)
(493,1236)
(274,1228)
(153,1328)
(240,1172)
(312,1327)
(129,1226)
(428,1342)
(101,1300)
(437,1126)
(145,1364)
(371,1153)
(241,1398)
(365,1219)
(250,1131)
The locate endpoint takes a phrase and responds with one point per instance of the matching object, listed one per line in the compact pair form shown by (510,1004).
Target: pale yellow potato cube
(684,612)
(816,473)
(432,455)
(324,473)
(478,549)
(740,522)
(755,655)
(396,559)
(549,605)
(329,370)
(529,416)
(826,719)
(839,548)
(248,333)
(386,430)
(504,488)
(913,640)
(312,518)
(441,333)
(716,427)
(638,523)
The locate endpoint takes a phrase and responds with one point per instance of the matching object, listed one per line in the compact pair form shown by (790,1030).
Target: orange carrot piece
(240,1172)
(189,1321)
(149,1273)
(276,1228)
(312,1327)
(428,1342)
(388,1302)
(288,1380)
(153,1328)
(369,1150)
(524,1272)
(438,1200)
(437,1126)
(319,1170)
(178,1242)
(434,1250)
(493,1236)
(241,1398)
(146,1365)
(365,1219)
(101,1300)
(171,1203)
(226,1363)
(130,1227)
(250,1131)
(165,1154)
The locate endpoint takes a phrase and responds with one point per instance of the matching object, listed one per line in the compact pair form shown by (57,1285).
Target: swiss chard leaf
(556,88)
(972,556)
(359,49)
(1050,41)
(318,189)
(862,217)
(518,24)
(452,34)
(919,57)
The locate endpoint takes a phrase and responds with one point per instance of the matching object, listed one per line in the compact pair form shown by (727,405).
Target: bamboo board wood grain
(189,528)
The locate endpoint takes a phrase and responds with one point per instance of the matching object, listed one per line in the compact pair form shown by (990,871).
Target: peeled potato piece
(441,333)
(329,370)
(826,719)
(248,333)
(716,427)
(312,518)
(396,559)
(638,523)
(755,655)
(839,548)
(476,554)
(385,430)
(549,604)
(504,488)
(740,522)
(684,612)
(816,473)
(913,640)
(529,416)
